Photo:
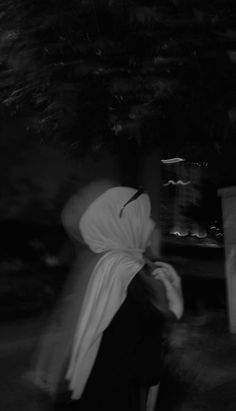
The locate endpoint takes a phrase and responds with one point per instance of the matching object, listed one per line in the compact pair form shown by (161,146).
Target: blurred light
(172,160)
(51,261)
(179,234)
(186,233)
(179,182)
(203,164)
(198,235)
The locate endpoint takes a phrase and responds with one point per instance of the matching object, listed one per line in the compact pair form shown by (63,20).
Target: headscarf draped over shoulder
(117,244)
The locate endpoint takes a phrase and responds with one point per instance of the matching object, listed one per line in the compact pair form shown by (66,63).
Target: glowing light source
(179,234)
(172,160)
(179,182)
(187,233)
(198,235)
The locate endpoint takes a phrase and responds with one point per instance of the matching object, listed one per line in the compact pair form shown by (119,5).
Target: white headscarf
(122,241)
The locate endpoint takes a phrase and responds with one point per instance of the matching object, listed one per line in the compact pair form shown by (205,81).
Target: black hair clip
(133,198)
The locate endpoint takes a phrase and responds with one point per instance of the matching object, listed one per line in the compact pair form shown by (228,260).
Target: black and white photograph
(118,205)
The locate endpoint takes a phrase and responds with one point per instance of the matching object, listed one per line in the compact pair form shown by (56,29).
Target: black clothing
(129,358)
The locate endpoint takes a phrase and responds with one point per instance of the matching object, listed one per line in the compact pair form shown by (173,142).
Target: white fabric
(152,398)
(123,240)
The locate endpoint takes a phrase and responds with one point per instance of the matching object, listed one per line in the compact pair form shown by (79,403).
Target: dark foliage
(101,73)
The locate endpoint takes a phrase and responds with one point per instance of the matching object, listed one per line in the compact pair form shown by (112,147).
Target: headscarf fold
(119,244)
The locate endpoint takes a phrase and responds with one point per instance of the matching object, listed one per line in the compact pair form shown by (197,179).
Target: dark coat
(129,358)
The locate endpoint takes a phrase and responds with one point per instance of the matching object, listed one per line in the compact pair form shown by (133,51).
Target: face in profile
(154,248)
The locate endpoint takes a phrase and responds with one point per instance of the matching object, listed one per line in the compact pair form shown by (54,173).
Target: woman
(109,350)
